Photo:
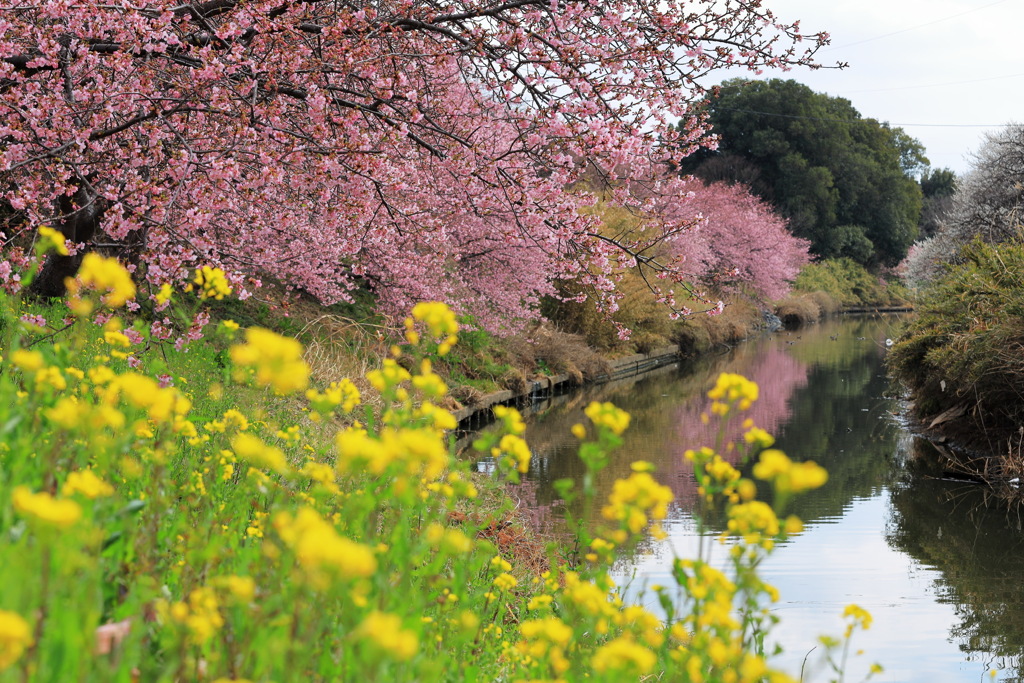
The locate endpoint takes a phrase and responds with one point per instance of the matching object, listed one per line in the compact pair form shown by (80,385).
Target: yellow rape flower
(253,450)
(234,418)
(429,384)
(517,451)
(789,477)
(105,276)
(241,588)
(634,499)
(116,338)
(88,484)
(27,361)
(15,637)
(318,546)
(858,616)
(277,360)
(540,633)
(67,413)
(505,581)
(45,508)
(387,635)
(511,419)
(52,377)
(755,522)
(438,318)
(212,283)
(200,615)
(50,238)
(624,654)
(732,390)
(343,394)
(607,415)
(390,375)
(163,404)
(758,437)
(164,294)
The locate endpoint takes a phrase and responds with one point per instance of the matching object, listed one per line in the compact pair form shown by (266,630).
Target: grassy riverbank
(210,512)
(962,358)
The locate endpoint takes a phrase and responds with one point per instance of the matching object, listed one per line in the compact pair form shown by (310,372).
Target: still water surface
(942,574)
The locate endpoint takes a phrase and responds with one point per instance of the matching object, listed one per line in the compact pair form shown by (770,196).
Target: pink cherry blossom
(421,150)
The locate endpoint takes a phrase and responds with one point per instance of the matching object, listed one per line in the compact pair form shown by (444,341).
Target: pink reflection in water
(777,374)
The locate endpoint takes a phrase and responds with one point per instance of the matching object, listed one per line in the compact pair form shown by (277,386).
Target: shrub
(845,281)
(963,349)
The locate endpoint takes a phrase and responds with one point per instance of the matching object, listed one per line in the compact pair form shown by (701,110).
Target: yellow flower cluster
(88,484)
(343,394)
(242,589)
(515,449)
(319,549)
(625,655)
(608,416)
(162,404)
(756,522)
(437,316)
(640,621)
(390,375)
(732,390)
(588,598)
(52,239)
(756,436)
(200,615)
(505,582)
(858,617)
(546,638)
(34,366)
(45,508)
(212,283)
(789,477)
(511,419)
(15,637)
(385,632)
(164,294)
(105,276)
(635,500)
(277,360)
(251,449)
(420,452)
(450,541)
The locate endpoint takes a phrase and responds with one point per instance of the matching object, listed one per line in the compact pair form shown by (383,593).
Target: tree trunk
(80,216)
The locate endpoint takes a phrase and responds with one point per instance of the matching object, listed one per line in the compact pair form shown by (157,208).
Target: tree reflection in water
(825,396)
(976,544)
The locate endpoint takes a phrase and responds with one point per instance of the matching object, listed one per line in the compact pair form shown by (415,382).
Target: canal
(940,571)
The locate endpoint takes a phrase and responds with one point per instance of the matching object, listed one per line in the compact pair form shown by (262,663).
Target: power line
(888,123)
(914,28)
(935,85)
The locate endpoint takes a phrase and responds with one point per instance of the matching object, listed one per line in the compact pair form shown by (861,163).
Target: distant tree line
(847,184)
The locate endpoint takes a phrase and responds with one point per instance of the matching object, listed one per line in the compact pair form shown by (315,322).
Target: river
(941,572)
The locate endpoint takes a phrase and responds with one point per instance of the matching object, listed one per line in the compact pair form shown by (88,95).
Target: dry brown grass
(341,348)
(739,320)
(547,348)
(798,309)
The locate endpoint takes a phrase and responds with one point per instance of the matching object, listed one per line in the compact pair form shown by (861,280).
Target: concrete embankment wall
(479,413)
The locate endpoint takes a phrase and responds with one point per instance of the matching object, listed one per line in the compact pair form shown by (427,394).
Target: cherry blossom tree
(422,148)
(742,242)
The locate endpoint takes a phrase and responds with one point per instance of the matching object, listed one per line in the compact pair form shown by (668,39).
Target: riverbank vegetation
(962,358)
(199,513)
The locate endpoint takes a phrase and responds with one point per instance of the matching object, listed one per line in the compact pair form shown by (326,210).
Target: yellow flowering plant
(210,530)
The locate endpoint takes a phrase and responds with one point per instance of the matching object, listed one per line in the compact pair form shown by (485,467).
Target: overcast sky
(956,65)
